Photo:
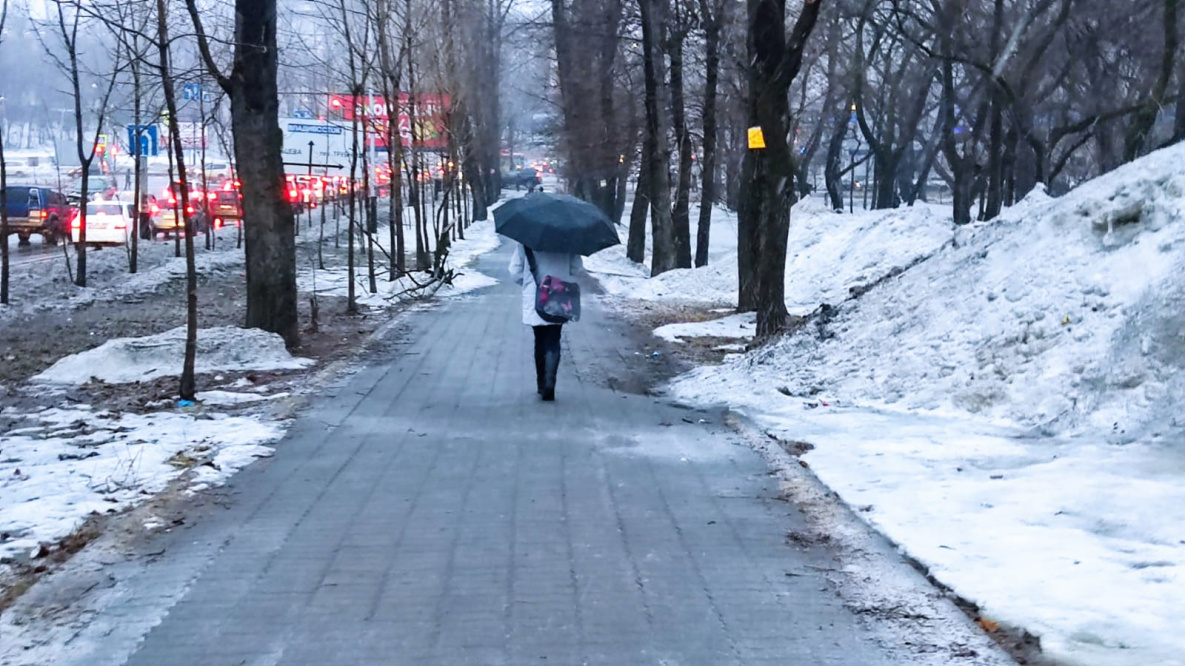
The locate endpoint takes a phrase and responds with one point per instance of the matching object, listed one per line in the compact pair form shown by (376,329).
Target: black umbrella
(548,222)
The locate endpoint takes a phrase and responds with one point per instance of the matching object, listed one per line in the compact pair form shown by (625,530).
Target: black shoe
(548,395)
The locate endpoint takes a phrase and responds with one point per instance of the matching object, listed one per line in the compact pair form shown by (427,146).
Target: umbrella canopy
(548,222)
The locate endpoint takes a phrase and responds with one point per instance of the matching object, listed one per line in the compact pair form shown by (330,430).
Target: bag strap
(531,263)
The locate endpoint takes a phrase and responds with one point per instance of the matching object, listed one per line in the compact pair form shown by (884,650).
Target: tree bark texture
(635,248)
(681,214)
(768,174)
(663,248)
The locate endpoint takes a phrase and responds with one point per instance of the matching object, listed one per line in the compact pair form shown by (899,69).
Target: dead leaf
(987,625)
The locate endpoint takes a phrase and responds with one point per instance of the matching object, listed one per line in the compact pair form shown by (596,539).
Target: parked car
(107,223)
(37,210)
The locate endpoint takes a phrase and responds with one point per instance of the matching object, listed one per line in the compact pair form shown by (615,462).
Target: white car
(107,223)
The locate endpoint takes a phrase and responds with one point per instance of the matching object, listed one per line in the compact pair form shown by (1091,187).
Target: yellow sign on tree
(756,138)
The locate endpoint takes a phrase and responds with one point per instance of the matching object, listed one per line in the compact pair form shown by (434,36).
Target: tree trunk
(3,219)
(134,259)
(635,248)
(662,256)
(768,174)
(711,84)
(681,215)
(269,234)
(833,170)
(188,386)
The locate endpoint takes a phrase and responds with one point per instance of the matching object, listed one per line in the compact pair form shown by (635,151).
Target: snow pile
(126,360)
(1062,314)
(738,327)
(70,463)
(829,255)
(1007,411)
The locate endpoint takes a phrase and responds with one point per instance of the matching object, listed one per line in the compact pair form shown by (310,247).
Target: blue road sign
(147,137)
(304,114)
(191,91)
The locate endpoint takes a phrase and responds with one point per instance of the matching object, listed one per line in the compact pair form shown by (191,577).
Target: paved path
(433,511)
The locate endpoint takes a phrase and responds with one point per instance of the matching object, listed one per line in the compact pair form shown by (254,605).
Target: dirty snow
(1007,409)
(740,326)
(61,465)
(126,360)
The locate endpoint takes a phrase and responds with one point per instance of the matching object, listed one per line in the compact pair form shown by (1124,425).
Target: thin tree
(714,16)
(69,15)
(188,387)
(663,249)
(3,186)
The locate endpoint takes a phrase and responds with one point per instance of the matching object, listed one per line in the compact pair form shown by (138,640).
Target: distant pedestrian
(529,269)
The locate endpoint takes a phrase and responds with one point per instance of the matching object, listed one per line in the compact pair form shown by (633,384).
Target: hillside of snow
(1006,402)
(1062,315)
(829,255)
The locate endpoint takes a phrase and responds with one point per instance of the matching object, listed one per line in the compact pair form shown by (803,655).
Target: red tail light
(218,223)
(155,209)
(76,223)
(189,209)
(121,225)
(44,214)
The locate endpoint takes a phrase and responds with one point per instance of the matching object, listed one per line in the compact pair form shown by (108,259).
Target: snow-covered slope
(829,254)
(1063,314)
(1009,410)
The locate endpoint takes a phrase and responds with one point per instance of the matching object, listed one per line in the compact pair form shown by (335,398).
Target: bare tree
(270,238)
(764,215)
(714,17)
(68,18)
(663,251)
(3,185)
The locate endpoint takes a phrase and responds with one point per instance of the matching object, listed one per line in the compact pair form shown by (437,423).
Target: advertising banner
(430,111)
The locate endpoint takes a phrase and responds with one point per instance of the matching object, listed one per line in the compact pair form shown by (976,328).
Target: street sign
(147,137)
(303,114)
(191,91)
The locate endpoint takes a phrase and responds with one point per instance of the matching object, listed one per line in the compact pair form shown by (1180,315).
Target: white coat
(557,264)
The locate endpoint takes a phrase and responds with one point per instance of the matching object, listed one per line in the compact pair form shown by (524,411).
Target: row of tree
(985,100)
(148,49)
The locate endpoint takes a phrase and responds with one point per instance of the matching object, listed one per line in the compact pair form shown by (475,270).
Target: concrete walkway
(433,511)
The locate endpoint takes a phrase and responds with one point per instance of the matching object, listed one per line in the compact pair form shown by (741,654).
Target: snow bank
(126,360)
(829,255)
(739,326)
(1062,315)
(72,462)
(1009,410)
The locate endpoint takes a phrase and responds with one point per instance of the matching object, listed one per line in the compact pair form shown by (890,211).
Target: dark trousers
(547,355)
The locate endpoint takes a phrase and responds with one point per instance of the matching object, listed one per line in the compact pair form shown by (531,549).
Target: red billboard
(431,112)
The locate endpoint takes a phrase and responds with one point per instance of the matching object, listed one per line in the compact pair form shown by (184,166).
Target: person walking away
(547,335)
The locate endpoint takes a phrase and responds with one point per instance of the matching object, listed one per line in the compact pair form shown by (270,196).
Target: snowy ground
(479,239)
(61,464)
(1007,409)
